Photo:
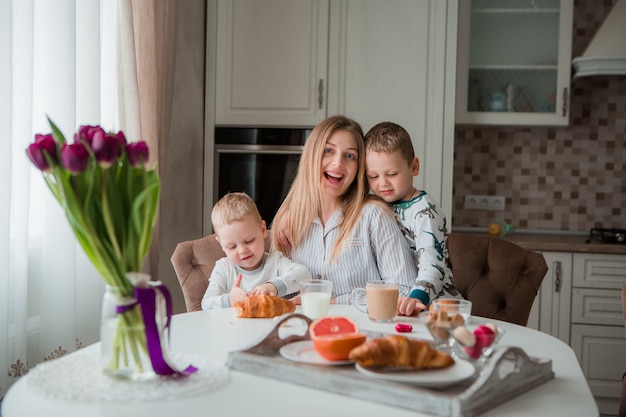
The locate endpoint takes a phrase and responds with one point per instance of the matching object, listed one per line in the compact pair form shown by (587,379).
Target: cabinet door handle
(557,276)
(565,97)
(320,94)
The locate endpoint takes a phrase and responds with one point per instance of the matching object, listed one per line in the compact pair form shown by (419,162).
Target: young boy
(247,269)
(391,165)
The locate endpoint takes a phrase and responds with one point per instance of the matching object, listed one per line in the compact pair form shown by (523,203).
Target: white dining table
(215,333)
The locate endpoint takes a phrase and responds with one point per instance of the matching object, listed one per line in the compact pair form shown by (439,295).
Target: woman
(331,224)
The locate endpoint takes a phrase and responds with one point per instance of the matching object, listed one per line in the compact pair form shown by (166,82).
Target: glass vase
(124,352)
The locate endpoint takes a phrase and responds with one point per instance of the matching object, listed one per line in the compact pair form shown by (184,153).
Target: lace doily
(79,377)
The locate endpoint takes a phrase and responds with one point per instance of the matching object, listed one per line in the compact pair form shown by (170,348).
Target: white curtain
(57,59)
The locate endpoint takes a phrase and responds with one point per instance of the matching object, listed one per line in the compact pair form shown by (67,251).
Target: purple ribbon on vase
(155,302)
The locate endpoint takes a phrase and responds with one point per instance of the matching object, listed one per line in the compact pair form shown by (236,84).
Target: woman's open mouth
(334,178)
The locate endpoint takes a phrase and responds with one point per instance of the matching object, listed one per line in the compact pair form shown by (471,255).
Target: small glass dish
(453,305)
(475,343)
(440,324)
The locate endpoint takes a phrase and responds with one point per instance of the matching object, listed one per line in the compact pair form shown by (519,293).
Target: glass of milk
(315,297)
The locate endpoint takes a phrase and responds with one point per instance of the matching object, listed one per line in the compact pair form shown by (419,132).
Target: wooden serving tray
(508,373)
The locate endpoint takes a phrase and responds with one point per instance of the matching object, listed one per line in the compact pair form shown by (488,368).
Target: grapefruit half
(335,336)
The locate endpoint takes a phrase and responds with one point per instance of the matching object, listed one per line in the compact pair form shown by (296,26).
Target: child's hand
(409,306)
(266,288)
(236,293)
(297,300)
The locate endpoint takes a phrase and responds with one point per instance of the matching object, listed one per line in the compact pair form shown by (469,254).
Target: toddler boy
(247,269)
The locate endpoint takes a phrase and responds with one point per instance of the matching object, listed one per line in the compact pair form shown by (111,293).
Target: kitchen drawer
(592,306)
(600,351)
(595,270)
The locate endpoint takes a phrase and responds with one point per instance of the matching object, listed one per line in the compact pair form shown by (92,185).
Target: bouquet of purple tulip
(110,199)
(109,196)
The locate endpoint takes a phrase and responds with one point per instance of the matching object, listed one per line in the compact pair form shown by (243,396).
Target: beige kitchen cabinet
(514,62)
(551,309)
(580,303)
(271,62)
(394,60)
(597,330)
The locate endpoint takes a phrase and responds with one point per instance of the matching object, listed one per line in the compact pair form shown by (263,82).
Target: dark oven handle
(259,149)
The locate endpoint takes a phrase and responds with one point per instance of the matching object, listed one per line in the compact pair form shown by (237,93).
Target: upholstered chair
(193,262)
(500,278)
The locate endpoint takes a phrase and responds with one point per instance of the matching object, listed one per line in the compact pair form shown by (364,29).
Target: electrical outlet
(471,202)
(497,202)
(477,202)
(484,202)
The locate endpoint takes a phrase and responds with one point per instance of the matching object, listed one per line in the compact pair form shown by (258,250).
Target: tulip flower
(107,148)
(44,145)
(121,138)
(74,157)
(137,153)
(86,133)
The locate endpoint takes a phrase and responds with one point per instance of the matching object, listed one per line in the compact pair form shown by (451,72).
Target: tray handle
(509,372)
(271,344)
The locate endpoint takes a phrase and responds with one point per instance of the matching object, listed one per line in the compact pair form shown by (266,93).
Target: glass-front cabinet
(514,62)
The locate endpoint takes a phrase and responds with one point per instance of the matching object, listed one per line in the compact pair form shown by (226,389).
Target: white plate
(305,352)
(429,378)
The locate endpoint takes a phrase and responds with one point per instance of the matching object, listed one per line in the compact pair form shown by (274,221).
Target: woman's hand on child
(267,288)
(408,306)
(237,293)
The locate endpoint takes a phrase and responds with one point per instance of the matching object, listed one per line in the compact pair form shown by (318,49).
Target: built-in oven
(261,162)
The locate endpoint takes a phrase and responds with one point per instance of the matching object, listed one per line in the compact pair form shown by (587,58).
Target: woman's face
(340,163)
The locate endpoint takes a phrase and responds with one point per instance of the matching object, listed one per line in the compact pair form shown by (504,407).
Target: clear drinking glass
(315,297)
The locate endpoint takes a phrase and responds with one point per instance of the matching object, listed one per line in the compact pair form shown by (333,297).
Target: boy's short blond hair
(234,207)
(388,137)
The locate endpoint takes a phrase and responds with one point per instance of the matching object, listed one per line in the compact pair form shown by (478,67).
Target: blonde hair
(304,200)
(388,137)
(234,207)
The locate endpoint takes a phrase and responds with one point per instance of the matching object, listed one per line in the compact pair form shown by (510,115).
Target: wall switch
(484,202)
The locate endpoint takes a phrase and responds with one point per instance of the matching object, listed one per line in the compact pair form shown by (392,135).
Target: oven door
(264,172)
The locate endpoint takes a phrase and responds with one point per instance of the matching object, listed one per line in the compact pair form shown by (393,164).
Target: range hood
(606,53)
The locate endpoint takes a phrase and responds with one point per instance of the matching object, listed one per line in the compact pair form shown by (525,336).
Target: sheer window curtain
(58,60)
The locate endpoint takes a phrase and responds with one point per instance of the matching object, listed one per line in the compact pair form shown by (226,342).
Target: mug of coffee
(379,300)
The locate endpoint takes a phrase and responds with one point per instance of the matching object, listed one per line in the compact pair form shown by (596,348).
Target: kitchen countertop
(555,242)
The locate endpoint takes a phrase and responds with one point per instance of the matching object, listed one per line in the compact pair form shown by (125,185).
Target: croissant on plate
(263,306)
(400,351)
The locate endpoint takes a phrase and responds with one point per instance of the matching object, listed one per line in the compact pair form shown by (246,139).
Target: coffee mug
(379,300)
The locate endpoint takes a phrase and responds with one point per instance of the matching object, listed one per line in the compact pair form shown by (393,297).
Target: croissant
(263,306)
(400,351)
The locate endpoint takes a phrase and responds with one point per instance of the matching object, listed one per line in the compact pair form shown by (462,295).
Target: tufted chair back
(500,278)
(193,262)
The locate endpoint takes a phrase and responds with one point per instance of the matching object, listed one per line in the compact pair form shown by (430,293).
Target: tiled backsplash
(554,179)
